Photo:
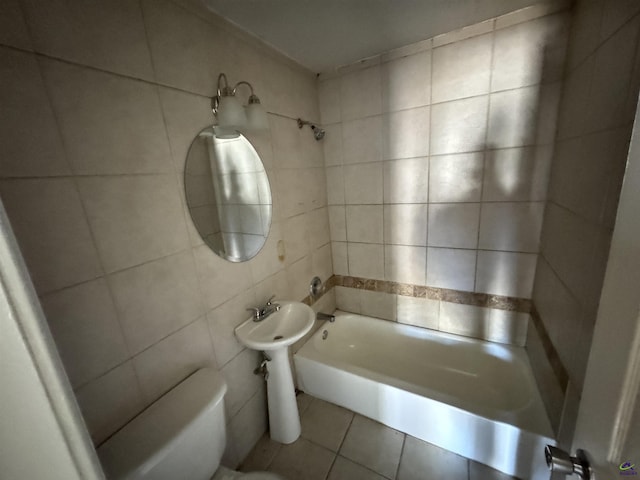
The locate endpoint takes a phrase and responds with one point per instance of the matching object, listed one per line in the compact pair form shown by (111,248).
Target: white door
(608,425)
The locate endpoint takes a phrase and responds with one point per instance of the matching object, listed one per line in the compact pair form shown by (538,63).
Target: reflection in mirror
(228,194)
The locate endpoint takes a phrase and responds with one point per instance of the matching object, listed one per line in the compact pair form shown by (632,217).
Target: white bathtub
(474,398)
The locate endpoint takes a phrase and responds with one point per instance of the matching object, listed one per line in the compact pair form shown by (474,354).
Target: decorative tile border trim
(552,354)
(513,304)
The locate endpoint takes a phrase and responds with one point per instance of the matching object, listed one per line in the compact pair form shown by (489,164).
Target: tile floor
(337,444)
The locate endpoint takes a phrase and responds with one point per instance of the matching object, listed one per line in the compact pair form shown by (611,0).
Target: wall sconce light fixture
(231,114)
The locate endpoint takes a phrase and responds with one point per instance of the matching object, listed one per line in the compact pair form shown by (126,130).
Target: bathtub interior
(470,391)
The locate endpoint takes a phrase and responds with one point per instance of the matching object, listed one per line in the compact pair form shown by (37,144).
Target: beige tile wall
(595,118)
(437,160)
(100,103)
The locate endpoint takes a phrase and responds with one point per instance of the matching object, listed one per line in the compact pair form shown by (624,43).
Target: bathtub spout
(325,316)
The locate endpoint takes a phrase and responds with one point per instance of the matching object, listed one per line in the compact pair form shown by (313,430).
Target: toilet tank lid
(143,442)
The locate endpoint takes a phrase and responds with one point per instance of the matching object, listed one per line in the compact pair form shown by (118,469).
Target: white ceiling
(322,34)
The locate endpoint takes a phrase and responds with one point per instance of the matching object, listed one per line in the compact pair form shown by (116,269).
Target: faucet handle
(255,310)
(270,298)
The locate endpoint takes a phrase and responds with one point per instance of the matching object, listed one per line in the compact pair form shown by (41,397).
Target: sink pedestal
(284,419)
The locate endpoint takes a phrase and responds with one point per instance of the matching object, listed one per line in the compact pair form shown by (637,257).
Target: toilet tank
(180,436)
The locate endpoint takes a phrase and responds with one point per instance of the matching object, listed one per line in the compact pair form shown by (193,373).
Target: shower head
(318,133)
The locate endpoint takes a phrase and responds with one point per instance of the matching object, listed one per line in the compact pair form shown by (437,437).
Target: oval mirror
(228,194)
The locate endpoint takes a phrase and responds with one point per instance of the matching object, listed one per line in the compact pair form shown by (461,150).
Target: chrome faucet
(260,313)
(325,316)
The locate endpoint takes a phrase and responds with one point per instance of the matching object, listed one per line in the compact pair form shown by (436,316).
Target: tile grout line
(404,441)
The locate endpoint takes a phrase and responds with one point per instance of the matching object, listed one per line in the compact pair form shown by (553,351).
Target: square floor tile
(373,445)
(302,460)
(262,455)
(344,469)
(325,424)
(423,461)
(478,471)
(303,400)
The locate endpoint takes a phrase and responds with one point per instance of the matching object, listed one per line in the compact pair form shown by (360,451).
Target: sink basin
(280,329)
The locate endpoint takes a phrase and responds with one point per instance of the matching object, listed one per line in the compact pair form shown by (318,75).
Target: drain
(277,337)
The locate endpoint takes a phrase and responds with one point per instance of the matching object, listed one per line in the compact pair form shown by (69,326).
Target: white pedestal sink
(273,336)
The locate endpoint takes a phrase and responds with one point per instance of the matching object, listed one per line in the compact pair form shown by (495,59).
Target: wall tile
(511,226)
(517,174)
(332,145)
(362,140)
(348,299)
(366,260)
(168,362)
(360,93)
(299,275)
(550,389)
(286,139)
(249,424)
(456,178)
(363,183)
(406,133)
(182,46)
(486,323)
(329,100)
(85,327)
(406,181)
(454,225)
(337,223)
(519,52)
(559,310)
(549,98)
(220,280)
(339,258)
(241,385)
(585,32)
(109,402)
(464,33)
(405,264)
(13,29)
(115,207)
(109,124)
(506,273)
(405,224)
(406,82)
(575,95)
(451,268)
(27,110)
(378,304)
(110,36)
(266,262)
(365,223)
(296,238)
(459,126)
(613,65)
(335,185)
(512,118)
(321,263)
(571,259)
(318,226)
(48,221)
(421,312)
(224,319)
(452,64)
(185,115)
(156,299)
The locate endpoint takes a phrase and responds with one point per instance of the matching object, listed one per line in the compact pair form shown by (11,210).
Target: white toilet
(182,436)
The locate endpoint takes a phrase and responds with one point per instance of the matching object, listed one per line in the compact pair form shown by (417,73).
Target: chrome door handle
(560,461)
